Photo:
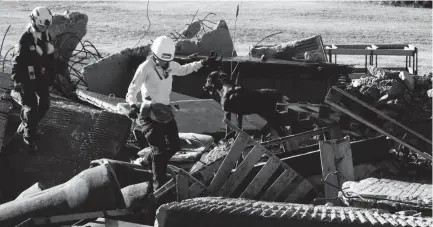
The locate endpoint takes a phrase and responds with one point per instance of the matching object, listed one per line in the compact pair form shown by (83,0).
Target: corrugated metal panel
(237,212)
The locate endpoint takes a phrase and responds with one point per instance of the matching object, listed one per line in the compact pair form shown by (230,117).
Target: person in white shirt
(155,121)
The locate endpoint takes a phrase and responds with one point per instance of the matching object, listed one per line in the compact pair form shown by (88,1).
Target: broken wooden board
(336,157)
(337,98)
(363,151)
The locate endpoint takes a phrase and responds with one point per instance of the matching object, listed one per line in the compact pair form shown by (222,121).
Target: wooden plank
(182,187)
(344,160)
(276,188)
(328,166)
(300,191)
(241,171)
(261,178)
(206,174)
(336,155)
(228,163)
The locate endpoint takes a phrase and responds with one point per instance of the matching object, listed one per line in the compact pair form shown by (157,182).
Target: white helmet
(163,48)
(41,16)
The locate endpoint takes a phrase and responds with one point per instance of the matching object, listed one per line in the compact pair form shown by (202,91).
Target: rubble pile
(239,168)
(399,94)
(305,49)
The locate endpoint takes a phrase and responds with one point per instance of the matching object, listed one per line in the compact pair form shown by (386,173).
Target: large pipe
(126,173)
(93,189)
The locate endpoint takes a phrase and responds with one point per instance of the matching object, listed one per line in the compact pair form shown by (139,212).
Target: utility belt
(156,112)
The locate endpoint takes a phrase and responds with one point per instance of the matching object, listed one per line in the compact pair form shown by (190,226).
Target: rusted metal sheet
(211,212)
(72,136)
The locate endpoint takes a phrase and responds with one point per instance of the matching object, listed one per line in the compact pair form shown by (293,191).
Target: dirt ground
(116,25)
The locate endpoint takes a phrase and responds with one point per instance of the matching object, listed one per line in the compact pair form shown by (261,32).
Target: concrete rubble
(310,49)
(219,40)
(399,94)
(67,30)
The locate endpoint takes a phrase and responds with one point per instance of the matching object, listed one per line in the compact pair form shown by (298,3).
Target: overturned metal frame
(333,98)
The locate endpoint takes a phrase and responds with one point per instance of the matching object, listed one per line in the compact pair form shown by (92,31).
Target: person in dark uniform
(33,72)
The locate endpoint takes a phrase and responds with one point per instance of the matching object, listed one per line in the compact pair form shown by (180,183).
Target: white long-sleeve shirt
(150,79)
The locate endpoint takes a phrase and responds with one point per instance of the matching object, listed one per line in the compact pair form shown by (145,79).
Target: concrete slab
(195,115)
(389,194)
(206,115)
(72,136)
(112,74)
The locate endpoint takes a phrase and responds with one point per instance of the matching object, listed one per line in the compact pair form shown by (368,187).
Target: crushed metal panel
(73,135)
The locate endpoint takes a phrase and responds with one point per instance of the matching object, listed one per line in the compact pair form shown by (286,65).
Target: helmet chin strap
(156,60)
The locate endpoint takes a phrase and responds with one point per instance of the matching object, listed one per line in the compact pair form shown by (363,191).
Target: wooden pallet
(288,186)
(346,103)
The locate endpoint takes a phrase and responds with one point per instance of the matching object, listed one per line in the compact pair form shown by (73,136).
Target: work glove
(211,61)
(133,112)
(19,87)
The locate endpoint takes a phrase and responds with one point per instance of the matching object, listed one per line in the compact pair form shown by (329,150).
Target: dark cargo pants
(32,109)
(163,138)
